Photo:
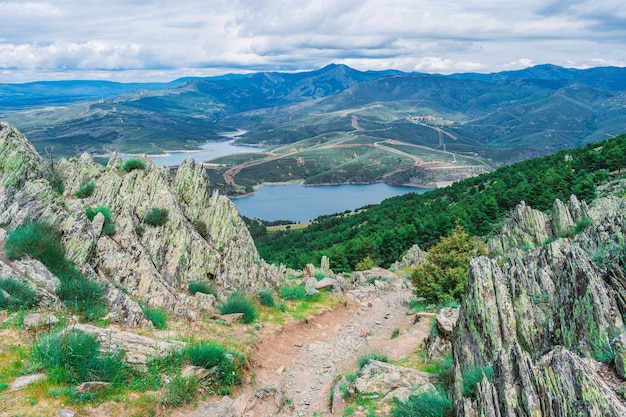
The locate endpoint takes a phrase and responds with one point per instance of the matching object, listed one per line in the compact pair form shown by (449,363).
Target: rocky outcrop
(542,319)
(384,381)
(413,257)
(204,238)
(439,341)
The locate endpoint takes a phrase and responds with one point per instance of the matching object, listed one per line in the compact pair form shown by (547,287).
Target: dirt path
(295,365)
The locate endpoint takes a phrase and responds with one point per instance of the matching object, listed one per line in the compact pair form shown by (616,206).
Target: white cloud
(152,37)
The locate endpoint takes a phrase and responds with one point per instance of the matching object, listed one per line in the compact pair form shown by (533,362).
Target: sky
(161,40)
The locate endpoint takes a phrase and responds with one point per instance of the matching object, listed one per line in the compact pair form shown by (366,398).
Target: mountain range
(503,117)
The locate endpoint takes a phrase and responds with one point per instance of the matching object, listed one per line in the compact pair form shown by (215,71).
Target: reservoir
(208,151)
(302,204)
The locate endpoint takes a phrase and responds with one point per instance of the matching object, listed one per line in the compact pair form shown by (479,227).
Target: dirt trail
(298,362)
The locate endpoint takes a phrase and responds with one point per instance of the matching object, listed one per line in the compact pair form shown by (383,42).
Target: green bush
(20,295)
(81,294)
(109,225)
(201,228)
(73,357)
(139,229)
(395,333)
(238,302)
(180,391)
(429,403)
(132,164)
(472,377)
(266,298)
(225,364)
(292,292)
(372,356)
(584,223)
(156,316)
(156,216)
(201,286)
(86,190)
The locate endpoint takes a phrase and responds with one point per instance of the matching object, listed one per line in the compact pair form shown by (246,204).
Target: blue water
(302,204)
(210,150)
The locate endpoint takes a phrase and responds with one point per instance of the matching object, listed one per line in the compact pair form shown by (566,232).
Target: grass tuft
(86,190)
(19,295)
(238,302)
(429,403)
(375,356)
(133,164)
(472,377)
(156,316)
(203,287)
(156,216)
(266,298)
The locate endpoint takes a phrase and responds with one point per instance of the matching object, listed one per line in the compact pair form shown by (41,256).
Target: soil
(294,366)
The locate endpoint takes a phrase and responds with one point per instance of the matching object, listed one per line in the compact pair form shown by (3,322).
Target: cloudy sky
(146,40)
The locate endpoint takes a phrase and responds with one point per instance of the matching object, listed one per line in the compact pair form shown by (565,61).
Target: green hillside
(385,231)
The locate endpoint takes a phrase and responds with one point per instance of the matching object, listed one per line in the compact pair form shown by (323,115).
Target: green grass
(372,356)
(292,292)
(226,365)
(266,298)
(109,224)
(42,241)
(74,357)
(156,216)
(133,164)
(156,316)
(238,302)
(201,286)
(428,403)
(472,377)
(395,333)
(86,190)
(180,391)
(20,295)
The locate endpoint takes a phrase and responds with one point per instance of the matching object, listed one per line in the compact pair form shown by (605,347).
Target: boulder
(92,386)
(325,283)
(23,381)
(381,380)
(35,320)
(138,349)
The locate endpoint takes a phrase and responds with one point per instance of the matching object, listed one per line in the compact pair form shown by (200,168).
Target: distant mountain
(505,116)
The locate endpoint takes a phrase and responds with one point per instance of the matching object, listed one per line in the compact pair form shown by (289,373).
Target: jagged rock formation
(204,238)
(541,318)
(414,256)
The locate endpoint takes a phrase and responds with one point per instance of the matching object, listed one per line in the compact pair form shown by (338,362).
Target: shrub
(156,216)
(133,164)
(429,403)
(201,286)
(73,357)
(472,377)
(156,316)
(372,356)
(581,225)
(365,264)
(238,302)
(292,292)
(225,364)
(395,333)
(86,190)
(443,276)
(266,298)
(201,227)
(139,229)
(20,294)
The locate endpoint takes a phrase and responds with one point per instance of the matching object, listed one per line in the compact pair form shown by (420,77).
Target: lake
(209,150)
(302,204)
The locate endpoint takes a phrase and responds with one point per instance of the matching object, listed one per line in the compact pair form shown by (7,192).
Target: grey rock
(325,283)
(413,257)
(64,412)
(381,380)
(23,381)
(92,386)
(35,320)
(197,372)
(137,349)
(446,320)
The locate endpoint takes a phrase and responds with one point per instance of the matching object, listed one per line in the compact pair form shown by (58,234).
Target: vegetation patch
(73,357)
(432,402)
(156,216)
(266,298)
(238,302)
(42,241)
(109,224)
(133,164)
(16,294)
(443,277)
(157,316)
(201,286)
(86,190)
(472,377)
(372,356)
